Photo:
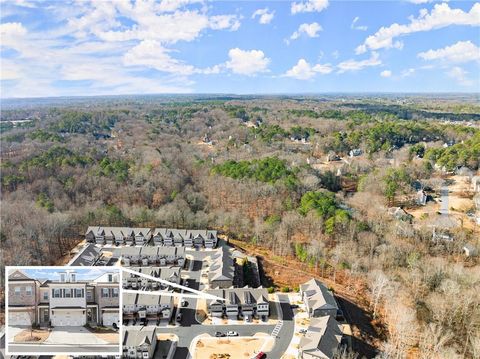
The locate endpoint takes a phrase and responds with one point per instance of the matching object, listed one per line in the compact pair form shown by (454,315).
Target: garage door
(63,318)
(110,318)
(18,318)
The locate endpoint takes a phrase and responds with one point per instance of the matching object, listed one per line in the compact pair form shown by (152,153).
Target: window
(28,289)
(68,293)
(62,277)
(73,277)
(110,278)
(115,293)
(78,293)
(56,293)
(17,290)
(89,295)
(45,295)
(105,292)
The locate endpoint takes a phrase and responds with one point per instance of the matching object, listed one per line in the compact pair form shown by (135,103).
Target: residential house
(322,339)
(355,152)
(23,296)
(237,303)
(185,238)
(318,300)
(130,306)
(139,343)
(118,235)
(107,294)
(88,256)
(130,255)
(222,269)
(149,255)
(171,274)
(155,306)
(63,302)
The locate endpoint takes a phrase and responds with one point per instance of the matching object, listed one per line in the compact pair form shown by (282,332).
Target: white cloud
(353,65)
(151,53)
(11,33)
(10,70)
(265,17)
(386,73)
(460,76)
(304,71)
(222,22)
(441,16)
(149,21)
(245,62)
(408,72)
(354,25)
(311,30)
(462,51)
(309,6)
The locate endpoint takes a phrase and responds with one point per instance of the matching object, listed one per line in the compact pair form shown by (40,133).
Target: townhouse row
(324,335)
(145,343)
(189,238)
(244,303)
(152,255)
(131,281)
(139,306)
(63,302)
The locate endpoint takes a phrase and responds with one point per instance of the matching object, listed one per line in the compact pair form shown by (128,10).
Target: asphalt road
(71,349)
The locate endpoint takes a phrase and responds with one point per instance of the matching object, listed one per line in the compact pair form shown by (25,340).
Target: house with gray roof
(118,235)
(318,299)
(244,303)
(222,269)
(322,339)
(139,343)
(185,238)
(87,256)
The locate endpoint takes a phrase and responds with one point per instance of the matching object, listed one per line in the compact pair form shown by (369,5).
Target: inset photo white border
(74,307)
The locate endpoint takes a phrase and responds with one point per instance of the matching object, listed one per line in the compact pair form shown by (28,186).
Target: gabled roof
(318,295)
(18,275)
(87,257)
(322,338)
(129,298)
(137,337)
(222,267)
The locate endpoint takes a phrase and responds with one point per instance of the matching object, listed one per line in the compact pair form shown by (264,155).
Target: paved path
(444,209)
(73,335)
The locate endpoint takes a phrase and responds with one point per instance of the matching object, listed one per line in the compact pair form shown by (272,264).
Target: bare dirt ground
(37,335)
(232,348)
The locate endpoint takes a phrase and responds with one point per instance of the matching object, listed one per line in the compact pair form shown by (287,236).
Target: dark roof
(87,257)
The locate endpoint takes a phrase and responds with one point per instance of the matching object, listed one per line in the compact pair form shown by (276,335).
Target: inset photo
(63,310)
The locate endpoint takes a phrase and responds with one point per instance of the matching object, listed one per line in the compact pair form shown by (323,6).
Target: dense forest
(313,179)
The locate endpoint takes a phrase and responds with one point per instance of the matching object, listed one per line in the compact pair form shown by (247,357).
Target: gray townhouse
(147,306)
(171,274)
(139,343)
(322,339)
(152,255)
(63,302)
(246,303)
(222,269)
(190,238)
(118,235)
(318,300)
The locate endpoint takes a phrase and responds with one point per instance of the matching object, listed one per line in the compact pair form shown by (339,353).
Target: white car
(232,333)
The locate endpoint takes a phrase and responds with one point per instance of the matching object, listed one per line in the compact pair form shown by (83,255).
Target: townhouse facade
(322,339)
(190,238)
(147,306)
(64,302)
(246,303)
(139,343)
(152,256)
(118,235)
(131,281)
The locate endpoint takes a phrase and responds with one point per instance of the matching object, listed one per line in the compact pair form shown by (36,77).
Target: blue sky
(52,273)
(66,48)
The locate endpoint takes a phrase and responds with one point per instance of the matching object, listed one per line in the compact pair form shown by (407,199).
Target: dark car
(219,334)
(261,355)
(294,306)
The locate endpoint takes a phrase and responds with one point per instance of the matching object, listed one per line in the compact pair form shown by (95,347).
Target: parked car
(219,334)
(261,355)
(302,331)
(232,333)
(184,303)
(179,317)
